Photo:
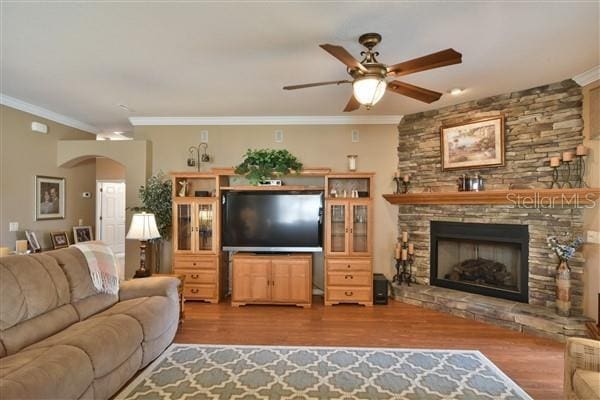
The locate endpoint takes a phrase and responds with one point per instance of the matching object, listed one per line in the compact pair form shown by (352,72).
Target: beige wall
(109,170)
(24,154)
(591,216)
(315,146)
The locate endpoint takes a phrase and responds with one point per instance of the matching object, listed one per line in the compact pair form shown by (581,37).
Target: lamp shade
(143,227)
(369,90)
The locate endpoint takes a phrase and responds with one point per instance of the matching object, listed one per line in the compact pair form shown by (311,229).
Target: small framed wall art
(49,198)
(473,144)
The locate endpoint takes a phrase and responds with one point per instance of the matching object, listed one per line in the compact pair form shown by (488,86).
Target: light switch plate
(355,136)
(592,237)
(278,136)
(13,226)
(204,136)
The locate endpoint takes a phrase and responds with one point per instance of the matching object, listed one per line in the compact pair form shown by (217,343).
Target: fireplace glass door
(480,263)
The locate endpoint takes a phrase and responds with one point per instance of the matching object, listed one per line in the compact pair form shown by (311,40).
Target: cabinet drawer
(200,276)
(349,278)
(350,264)
(349,294)
(199,291)
(195,263)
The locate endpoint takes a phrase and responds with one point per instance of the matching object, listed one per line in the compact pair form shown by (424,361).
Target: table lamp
(143,228)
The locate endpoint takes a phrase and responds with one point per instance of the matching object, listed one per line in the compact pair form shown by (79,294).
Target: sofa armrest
(152,286)
(583,354)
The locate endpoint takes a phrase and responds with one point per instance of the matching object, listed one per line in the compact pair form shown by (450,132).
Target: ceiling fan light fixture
(369,90)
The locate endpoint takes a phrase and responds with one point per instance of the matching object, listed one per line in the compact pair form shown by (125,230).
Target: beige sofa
(60,339)
(582,369)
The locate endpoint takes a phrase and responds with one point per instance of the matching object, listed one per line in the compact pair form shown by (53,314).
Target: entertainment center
(270,234)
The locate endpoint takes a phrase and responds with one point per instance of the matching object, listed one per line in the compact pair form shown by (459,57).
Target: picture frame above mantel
(473,144)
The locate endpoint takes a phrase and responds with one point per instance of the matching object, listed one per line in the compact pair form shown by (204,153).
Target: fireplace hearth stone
(526,318)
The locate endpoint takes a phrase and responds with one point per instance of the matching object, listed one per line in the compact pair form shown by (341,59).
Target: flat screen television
(272,221)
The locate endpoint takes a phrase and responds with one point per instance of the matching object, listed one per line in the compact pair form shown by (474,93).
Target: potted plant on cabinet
(261,165)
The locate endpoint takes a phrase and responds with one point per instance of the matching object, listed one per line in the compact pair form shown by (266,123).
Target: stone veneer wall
(539,123)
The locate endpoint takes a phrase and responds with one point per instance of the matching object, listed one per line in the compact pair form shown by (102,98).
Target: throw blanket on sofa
(102,264)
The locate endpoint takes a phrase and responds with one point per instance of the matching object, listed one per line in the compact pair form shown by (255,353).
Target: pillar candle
(397,253)
(396,174)
(406,178)
(554,161)
(581,150)
(411,248)
(404,254)
(21,246)
(567,156)
(404,237)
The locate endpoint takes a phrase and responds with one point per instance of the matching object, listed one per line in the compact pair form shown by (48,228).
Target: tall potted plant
(156,198)
(564,250)
(265,164)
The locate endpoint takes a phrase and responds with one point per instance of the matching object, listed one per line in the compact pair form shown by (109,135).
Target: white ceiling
(231,59)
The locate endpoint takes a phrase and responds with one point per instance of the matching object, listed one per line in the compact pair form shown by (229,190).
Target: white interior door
(110,217)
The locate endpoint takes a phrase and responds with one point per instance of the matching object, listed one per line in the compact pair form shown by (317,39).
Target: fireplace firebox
(487,259)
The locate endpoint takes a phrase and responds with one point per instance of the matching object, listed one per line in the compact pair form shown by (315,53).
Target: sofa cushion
(108,341)
(84,296)
(586,384)
(35,329)
(61,372)
(30,286)
(154,314)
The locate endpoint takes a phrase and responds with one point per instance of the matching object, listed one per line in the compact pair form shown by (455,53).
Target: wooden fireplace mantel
(533,198)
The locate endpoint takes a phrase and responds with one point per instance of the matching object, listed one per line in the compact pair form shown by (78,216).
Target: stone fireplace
(487,259)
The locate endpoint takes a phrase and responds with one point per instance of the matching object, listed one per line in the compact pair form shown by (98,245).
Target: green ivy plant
(156,198)
(264,164)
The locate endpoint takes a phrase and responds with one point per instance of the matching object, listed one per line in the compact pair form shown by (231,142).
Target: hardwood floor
(534,363)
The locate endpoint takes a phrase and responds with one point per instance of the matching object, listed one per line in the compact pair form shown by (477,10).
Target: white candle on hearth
(567,156)
(404,237)
(581,150)
(411,248)
(404,254)
(554,161)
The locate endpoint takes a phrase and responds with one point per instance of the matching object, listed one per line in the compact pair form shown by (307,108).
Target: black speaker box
(380,289)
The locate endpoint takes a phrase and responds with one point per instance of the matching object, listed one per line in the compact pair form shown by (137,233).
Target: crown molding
(270,120)
(44,113)
(587,77)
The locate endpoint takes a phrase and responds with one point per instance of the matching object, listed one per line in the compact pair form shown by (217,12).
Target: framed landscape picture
(49,198)
(475,144)
(60,240)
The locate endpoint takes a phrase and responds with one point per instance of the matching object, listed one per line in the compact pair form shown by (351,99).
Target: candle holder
(568,178)
(398,181)
(555,181)
(404,268)
(580,171)
(405,185)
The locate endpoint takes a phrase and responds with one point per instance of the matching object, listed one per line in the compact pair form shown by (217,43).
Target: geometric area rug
(190,371)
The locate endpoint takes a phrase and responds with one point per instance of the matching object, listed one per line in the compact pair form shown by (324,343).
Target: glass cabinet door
(205,217)
(359,231)
(337,234)
(185,228)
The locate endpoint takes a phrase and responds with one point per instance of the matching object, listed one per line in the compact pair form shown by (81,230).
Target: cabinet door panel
(291,281)
(205,227)
(251,280)
(183,228)
(336,228)
(360,229)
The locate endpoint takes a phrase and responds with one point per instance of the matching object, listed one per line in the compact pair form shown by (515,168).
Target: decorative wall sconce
(198,155)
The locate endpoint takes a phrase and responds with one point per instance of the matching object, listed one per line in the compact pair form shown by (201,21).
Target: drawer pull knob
(194,290)
(348,293)
(194,264)
(348,277)
(195,276)
(348,266)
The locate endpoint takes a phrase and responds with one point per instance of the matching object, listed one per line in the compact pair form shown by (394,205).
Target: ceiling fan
(369,75)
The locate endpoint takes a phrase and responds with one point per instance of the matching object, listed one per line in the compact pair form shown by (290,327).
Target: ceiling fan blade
(416,92)
(434,60)
(343,55)
(307,85)
(352,105)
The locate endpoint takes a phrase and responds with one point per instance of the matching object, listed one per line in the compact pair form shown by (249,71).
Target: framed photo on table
(474,144)
(60,240)
(82,234)
(49,198)
(33,241)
